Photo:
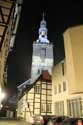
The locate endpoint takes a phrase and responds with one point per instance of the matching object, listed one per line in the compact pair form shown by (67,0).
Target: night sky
(59,18)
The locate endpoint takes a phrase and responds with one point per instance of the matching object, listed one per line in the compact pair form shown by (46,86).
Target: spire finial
(43,15)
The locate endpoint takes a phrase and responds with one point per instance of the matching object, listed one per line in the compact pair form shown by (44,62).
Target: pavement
(12,121)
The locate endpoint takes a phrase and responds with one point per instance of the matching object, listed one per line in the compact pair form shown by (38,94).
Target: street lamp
(2,96)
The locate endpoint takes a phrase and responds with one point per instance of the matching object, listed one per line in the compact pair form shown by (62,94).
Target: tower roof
(43,24)
(43,31)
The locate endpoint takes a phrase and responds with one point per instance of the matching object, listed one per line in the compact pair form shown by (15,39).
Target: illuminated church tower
(42,56)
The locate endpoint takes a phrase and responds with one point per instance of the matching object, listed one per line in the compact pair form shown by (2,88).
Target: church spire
(43,16)
(43,25)
(43,31)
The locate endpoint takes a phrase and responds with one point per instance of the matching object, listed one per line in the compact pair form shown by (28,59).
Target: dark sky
(59,17)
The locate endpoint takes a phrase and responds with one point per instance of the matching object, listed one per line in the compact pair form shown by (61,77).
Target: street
(13,122)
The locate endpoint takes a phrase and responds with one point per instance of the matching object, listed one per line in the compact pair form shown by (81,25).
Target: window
(43,107)
(39,71)
(37,89)
(49,107)
(75,107)
(46,108)
(59,88)
(62,67)
(43,52)
(43,55)
(43,35)
(55,90)
(59,108)
(64,86)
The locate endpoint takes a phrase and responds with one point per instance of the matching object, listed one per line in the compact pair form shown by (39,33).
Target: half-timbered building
(36,98)
(9,18)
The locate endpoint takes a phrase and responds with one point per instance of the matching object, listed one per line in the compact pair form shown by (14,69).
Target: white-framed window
(48,107)
(59,108)
(43,107)
(37,89)
(75,107)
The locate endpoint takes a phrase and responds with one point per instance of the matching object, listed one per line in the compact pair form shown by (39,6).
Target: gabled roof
(44,76)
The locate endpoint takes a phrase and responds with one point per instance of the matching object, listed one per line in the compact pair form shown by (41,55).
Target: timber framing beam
(3,23)
(1,13)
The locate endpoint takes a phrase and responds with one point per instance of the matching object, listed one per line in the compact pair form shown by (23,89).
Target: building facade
(67,87)
(38,99)
(6,14)
(8,27)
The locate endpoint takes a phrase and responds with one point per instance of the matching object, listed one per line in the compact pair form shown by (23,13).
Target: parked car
(47,118)
(37,120)
(56,119)
(40,119)
(72,121)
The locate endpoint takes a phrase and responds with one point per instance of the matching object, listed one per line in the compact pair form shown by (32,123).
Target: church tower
(42,55)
